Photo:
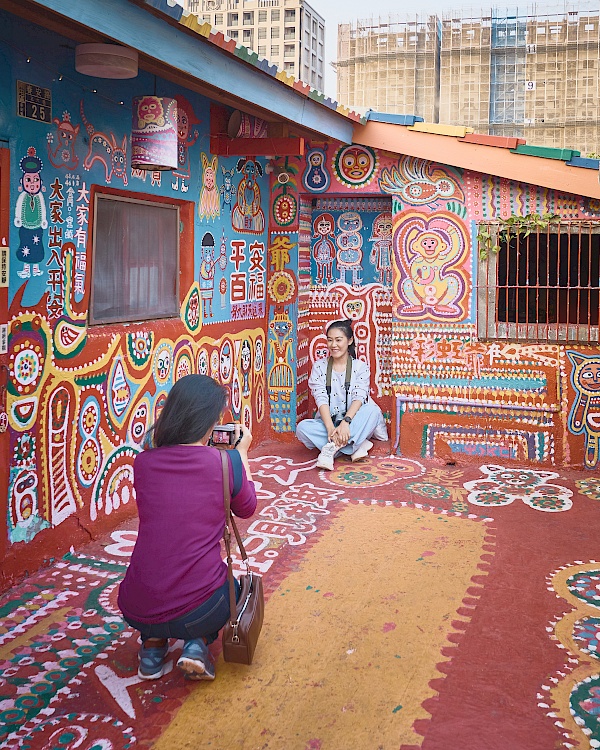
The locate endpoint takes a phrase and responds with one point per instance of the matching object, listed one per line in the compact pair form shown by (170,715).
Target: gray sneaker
(325,460)
(196,661)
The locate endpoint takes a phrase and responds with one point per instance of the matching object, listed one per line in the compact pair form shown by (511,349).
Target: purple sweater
(176,564)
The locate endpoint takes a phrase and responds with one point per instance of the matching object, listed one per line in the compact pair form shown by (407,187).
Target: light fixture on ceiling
(106,61)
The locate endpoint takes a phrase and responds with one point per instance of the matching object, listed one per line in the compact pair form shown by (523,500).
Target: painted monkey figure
(585,412)
(248,216)
(428,285)
(323,248)
(30,215)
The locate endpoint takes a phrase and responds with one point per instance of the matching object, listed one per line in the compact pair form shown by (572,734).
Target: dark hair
(345,326)
(193,406)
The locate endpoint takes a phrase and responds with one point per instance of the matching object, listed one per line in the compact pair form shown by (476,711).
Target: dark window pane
(136,261)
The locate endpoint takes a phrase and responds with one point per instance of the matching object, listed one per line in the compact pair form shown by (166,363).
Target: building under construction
(525,74)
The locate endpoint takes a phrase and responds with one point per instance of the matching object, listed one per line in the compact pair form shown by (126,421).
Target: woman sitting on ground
(176,584)
(347,416)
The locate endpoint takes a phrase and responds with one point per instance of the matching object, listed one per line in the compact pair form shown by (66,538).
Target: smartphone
(223,436)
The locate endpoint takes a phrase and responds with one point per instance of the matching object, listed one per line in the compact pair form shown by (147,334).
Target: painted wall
(412,294)
(78,397)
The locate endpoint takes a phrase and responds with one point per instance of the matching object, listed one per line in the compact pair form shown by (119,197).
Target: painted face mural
(225,362)
(355,166)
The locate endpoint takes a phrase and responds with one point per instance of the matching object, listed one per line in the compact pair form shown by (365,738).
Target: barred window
(541,287)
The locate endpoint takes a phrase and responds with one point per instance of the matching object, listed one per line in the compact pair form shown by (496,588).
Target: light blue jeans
(313,433)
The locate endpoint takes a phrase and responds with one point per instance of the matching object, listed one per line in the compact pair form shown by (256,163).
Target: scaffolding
(516,72)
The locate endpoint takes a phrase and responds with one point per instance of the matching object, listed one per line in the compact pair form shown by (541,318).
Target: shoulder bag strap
(328,379)
(348,378)
(230,524)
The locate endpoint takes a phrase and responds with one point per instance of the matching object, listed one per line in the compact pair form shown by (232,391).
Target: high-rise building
(531,75)
(287,33)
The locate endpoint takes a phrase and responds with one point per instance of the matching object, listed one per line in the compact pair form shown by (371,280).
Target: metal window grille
(543,287)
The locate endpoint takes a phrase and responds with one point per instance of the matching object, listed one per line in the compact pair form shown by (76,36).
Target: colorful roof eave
(160,36)
(455,149)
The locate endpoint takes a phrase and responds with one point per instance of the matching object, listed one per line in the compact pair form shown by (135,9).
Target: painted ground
(410,605)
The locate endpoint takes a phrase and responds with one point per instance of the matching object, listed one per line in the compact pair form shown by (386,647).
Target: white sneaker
(381,432)
(325,460)
(362,450)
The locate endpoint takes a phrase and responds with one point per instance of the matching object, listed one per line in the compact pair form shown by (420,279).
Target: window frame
(489,328)
(184,268)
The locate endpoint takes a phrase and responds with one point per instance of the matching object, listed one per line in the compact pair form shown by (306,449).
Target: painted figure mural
(381,252)
(186,137)
(324,248)
(209,206)
(30,215)
(349,242)
(207,274)
(227,189)
(316,178)
(584,417)
(248,215)
(429,250)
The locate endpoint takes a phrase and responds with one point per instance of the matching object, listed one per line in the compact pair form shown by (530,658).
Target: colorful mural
(80,398)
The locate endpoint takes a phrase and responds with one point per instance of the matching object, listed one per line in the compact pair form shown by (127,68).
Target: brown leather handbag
(240,635)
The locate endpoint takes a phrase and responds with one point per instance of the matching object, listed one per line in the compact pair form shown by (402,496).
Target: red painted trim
(498,141)
(222,145)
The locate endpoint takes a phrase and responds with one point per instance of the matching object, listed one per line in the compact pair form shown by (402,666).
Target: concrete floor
(409,605)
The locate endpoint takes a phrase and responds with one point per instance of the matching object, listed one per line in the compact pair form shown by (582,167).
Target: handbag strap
(230,524)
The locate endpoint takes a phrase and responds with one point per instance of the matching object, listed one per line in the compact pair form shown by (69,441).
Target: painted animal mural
(62,152)
(584,417)
(209,206)
(248,216)
(429,251)
(105,149)
(30,215)
(419,182)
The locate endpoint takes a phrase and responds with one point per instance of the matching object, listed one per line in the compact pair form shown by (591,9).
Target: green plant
(491,236)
